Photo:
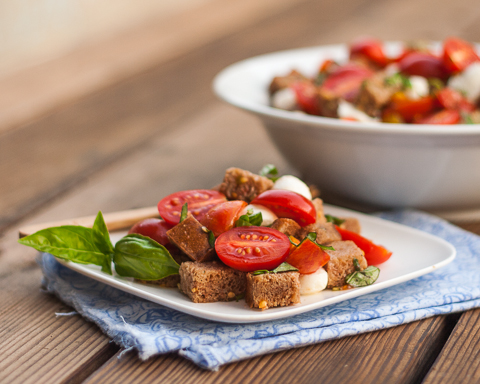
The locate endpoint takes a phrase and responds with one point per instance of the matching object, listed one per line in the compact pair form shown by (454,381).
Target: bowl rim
(232,71)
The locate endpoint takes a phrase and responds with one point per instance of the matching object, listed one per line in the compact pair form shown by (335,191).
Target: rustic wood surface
(123,141)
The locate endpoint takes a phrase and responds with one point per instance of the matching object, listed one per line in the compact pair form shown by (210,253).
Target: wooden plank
(459,361)
(35,91)
(38,347)
(397,355)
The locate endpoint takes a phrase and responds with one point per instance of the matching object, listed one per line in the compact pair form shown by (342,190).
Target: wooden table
(120,124)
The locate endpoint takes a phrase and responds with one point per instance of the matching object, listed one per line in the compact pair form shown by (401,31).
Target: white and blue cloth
(151,329)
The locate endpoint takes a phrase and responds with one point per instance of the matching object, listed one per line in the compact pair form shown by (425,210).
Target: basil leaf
(269,171)
(103,242)
(184,213)
(248,220)
(73,243)
(363,278)
(211,239)
(284,267)
(143,258)
(334,220)
(312,236)
(356,265)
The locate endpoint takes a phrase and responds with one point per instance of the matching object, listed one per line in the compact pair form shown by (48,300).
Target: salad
(258,237)
(419,85)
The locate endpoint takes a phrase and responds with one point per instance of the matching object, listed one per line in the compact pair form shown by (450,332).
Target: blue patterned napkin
(151,329)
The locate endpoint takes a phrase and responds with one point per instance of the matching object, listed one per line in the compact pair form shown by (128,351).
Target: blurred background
(91,87)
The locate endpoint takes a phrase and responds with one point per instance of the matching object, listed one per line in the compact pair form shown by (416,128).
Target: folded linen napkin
(151,329)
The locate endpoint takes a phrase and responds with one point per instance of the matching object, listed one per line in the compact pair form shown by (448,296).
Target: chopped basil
(334,220)
(312,236)
(133,256)
(362,278)
(399,80)
(184,213)
(250,219)
(269,171)
(284,267)
(211,239)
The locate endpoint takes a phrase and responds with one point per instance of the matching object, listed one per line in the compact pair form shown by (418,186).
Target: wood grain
(459,361)
(396,355)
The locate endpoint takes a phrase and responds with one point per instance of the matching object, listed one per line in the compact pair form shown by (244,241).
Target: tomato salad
(417,86)
(258,236)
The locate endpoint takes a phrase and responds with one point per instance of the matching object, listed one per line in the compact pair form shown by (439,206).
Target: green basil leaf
(143,258)
(363,278)
(211,239)
(284,267)
(269,171)
(249,219)
(356,265)
(73,243)
(312,236)
(184,213)
(103,242)
(334,220)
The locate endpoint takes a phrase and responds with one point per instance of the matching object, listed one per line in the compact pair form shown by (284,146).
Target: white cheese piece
(348,110)
(294,184)
(419,87)
(285,99)
(468,82)
(313,282)
(267,215)
(391,69)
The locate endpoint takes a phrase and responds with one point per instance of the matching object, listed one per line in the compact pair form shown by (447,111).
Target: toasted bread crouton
(374,94)
(340,264)
(211,282)
(318,204)
(239,184)
(191,238)
(351,224)
(272,290)
(287,226)
(282,82)
(326,233)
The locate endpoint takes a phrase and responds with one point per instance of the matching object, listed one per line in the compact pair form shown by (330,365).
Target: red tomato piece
(223,216)
(252,248)
(375,254)
(345,81)
(200,201)
(369,49)
(308,257)
(409,109)
(155,229)
(451,99)
(288,204)
(458,54)
(447,116)
(422,64)
(306,94)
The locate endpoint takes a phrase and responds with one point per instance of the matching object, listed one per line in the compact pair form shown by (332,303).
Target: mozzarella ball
(348,110)
(468,82)
(294,184)
(284,99)
(267,215)
(420,87)
(313,282)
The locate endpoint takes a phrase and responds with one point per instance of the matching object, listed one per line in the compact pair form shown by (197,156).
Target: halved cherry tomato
(422,64)
(452,99)
(306,94)
(328,66)
(447,116)
(375,254)
(370,49)
(200,201)
(458,54)
(408,109)
(288,204)
(252,248)
(223,216)
(155,229)
(308,257)
(345,81)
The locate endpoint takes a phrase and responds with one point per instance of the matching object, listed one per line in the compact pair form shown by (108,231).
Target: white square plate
(415,253)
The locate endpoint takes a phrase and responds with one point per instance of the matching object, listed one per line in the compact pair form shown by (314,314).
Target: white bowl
(431,167)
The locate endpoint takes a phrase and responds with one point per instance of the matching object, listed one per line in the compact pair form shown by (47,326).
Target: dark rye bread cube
(326,232)
(287,226)
(340,264)
(351,224)
(192,239)
(239,184)
(273,289)
(211,282)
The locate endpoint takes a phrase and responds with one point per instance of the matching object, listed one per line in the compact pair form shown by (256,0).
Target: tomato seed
(254,237)
(239,250)
(248,250)
(242,237)
(265,237)
(197,212)
(248,237)
(175,213)
(257,250)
